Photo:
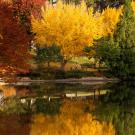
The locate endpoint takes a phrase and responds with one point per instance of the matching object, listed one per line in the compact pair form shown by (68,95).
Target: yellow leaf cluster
(111,16)
(73,27)
(68,26)
(66,123)
(133,5)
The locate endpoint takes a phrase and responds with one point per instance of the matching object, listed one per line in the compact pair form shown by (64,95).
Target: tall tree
(68,26)
(23,9)
(14,43)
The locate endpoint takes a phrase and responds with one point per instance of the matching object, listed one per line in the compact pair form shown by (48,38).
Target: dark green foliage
(46,107)
(58,74)
(98,4)
(48,54)
(118,51)
(118,107)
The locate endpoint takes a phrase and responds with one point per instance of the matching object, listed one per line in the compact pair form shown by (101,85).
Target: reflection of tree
(13,106)
(47,107)
(8,91)
(72,120)
(61,88)
(78,116)
(123,94)
(119,108)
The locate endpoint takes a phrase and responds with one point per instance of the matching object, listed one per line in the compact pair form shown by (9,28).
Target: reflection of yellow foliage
(71,121)
(8,91)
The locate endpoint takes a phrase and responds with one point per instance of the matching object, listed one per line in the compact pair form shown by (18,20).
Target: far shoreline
(85,80)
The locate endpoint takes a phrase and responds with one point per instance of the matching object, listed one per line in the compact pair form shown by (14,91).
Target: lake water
(68,109)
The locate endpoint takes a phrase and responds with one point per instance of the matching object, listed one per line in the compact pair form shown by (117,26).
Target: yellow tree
(111,16)
(68,26)
(133,5)
(109,19)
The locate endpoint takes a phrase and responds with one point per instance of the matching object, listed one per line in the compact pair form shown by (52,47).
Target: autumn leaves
(14,43)
(15,35)
(73,27)
(70,27)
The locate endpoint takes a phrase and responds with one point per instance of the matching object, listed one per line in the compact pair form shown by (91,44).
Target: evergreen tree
(118,50)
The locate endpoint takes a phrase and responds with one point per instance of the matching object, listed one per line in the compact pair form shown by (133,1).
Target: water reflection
(94,110)
(118,107)
(72,120)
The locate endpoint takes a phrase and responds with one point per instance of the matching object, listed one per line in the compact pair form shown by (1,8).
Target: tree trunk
(63,63)
(48,64)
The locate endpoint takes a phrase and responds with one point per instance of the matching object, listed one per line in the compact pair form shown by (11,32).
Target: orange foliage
(14,43)
(8,91)
(28,7)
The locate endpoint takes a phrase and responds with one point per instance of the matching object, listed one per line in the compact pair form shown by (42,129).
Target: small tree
(48,54)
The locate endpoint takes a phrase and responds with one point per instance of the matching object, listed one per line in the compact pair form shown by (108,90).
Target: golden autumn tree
(68,26)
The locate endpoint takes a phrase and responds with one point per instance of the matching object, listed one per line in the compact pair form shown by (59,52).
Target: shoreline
(85,80)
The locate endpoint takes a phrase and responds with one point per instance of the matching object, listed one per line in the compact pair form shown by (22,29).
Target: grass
(73,69)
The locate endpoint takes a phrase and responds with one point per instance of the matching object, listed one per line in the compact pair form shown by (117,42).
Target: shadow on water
(118,107)
(69,108)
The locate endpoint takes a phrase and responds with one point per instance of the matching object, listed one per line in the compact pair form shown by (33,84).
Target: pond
(67,109)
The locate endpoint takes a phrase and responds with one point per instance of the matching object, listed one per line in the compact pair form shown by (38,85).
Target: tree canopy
(68,26)
(14,43)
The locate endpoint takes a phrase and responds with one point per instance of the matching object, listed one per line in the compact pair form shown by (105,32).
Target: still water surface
(68,109)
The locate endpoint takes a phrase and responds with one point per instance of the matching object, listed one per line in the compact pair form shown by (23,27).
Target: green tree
(118,50)
(48,54)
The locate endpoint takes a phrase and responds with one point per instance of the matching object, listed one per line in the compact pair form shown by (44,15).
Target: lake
(68,109)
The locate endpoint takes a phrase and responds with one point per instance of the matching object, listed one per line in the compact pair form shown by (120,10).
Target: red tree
(23,9)
(14,43)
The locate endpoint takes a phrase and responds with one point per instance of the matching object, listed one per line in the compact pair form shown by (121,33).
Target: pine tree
(118,51)
(125,38)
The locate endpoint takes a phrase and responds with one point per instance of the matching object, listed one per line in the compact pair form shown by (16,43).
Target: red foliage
(28,7)
(14,43)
